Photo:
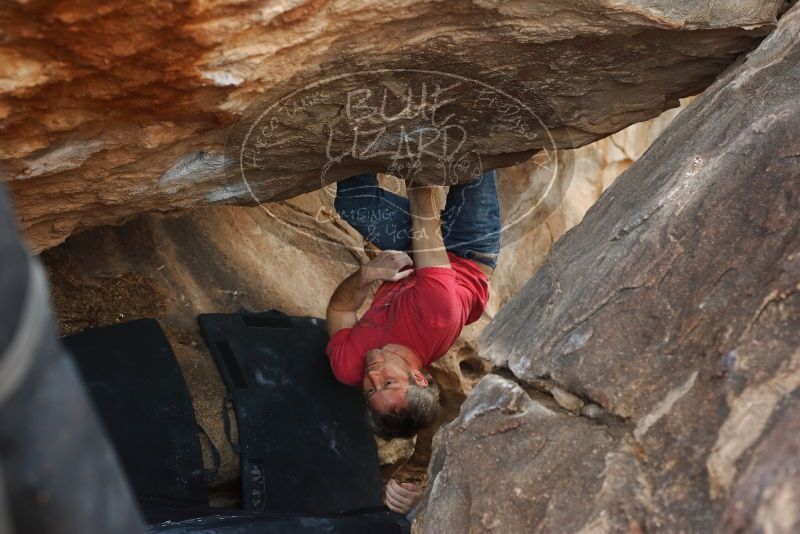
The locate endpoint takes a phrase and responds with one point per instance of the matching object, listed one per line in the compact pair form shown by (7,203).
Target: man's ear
(420,379)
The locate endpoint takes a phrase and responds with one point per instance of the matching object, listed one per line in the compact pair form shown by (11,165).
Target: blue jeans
(470,219)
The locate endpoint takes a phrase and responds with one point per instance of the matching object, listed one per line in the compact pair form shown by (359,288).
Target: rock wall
(652,366)
(112,108)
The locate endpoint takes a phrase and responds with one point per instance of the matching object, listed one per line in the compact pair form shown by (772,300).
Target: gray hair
(422,409)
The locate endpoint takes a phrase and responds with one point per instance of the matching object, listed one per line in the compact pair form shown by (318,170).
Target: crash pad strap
(304,441)
(211,472)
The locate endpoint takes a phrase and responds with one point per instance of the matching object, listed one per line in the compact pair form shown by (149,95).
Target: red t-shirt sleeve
(347,362)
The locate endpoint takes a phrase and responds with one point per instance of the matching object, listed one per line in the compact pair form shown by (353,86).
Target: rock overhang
(111,110)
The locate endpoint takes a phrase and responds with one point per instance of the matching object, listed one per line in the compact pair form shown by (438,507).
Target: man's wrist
(365,279)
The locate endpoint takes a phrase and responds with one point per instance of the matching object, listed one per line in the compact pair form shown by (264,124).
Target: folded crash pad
(303,437)
(142,399)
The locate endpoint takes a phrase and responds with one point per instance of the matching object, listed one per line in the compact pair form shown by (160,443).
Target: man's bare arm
(354,290)
(427,240)
(346,299)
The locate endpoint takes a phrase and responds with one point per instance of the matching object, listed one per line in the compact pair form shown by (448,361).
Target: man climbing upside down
(421,304)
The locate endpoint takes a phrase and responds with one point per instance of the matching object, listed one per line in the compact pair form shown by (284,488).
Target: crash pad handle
(226,422)
(211,473)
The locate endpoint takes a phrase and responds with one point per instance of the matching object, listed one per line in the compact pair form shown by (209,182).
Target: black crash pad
(139,392)
(305,444)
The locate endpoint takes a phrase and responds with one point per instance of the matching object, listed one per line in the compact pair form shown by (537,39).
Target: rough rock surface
(524,465)
(109,109)
(674,309)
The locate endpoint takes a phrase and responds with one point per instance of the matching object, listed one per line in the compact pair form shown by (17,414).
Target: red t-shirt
(424,312)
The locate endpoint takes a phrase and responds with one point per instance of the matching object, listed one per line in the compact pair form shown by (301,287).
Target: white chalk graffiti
(402,122)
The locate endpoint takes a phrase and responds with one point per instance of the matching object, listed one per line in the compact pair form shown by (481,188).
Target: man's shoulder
(346,362)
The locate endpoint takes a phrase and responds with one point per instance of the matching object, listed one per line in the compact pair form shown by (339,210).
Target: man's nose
(375,377)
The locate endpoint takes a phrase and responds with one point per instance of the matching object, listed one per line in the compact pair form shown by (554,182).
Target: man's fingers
(409,488)
(398,488)
(405,259)
(405,499)
(406,493)
(392,500)
(395,253)
(401,259)
(386,256)
(395,257)
(399,495)
(405,504)
(402,274)
(392,487)
(393,508)
(386,501)
(388,263)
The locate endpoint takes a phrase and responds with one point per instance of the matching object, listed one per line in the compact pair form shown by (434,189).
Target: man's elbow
(340,319)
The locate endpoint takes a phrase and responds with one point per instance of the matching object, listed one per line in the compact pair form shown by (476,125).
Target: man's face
(385,381)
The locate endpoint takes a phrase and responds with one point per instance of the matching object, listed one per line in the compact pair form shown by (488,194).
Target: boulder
(110,109)
(514,462)
(673,310)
